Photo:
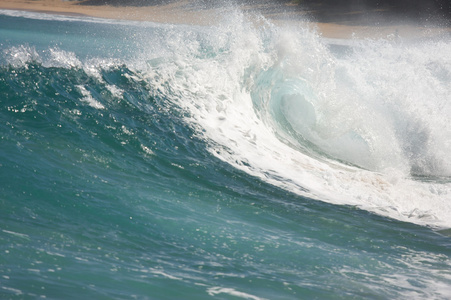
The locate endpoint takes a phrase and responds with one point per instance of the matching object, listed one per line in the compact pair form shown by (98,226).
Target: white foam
(115,91)
(21,235)
(162,273)
(62,59)
(21,55)
(74,18)
(12,290)
(87,97)
(213,291)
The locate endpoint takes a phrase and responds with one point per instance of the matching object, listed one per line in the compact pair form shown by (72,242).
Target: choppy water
(151,161)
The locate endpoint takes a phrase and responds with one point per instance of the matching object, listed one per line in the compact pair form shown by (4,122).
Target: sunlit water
(142,160)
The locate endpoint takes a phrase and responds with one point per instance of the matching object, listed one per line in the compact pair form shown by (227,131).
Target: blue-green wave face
(150,161)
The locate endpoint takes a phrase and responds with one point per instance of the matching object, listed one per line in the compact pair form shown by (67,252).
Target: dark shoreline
(345,12)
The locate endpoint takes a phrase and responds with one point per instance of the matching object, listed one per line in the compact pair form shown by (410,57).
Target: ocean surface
(149,161)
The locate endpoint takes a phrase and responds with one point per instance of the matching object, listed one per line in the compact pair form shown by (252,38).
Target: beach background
(333,19)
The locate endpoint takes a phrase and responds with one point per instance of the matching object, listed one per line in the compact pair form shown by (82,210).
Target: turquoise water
(151,161)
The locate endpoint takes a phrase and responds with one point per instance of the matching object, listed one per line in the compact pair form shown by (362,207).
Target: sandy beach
(330,20)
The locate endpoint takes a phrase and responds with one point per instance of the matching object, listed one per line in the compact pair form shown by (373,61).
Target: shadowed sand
(333,19)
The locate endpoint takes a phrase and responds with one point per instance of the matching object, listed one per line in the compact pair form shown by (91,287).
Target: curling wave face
(362,124)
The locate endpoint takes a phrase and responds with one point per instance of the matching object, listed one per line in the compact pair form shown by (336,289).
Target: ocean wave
(363,125)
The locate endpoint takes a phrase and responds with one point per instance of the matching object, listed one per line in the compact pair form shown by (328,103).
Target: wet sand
(330,21)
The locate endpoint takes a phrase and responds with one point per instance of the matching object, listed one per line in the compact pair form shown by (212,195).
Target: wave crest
(348,125)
